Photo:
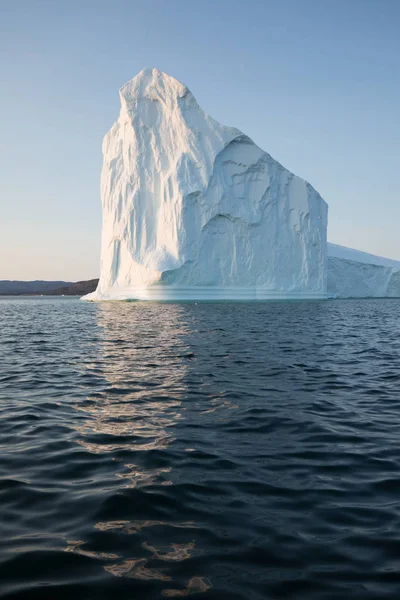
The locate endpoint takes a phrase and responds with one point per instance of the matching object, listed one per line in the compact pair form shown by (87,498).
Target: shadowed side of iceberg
(356,274)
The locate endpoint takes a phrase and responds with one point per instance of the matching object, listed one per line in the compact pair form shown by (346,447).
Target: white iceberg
(195,210)
(356,274)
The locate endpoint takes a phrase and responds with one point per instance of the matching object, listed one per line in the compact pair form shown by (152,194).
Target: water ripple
(228,450)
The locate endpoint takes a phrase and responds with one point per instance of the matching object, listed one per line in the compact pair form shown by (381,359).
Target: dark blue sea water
(226,450)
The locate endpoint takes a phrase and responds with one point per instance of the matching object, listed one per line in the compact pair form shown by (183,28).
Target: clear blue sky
(314,82)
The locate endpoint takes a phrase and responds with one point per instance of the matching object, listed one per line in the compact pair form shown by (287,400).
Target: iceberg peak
(151,84)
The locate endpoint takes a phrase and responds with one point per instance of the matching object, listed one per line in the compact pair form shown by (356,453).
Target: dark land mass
(15,288)
(51,288)
(75,289)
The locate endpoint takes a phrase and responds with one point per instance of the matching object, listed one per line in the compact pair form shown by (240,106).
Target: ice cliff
(353,274)
(193,209)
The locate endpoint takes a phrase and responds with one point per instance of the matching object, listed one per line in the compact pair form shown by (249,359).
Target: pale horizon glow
(315,84)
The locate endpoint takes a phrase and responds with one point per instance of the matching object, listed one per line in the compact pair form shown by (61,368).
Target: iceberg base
(172,293)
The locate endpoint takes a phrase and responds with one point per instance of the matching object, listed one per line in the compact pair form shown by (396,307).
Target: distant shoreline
(47,288)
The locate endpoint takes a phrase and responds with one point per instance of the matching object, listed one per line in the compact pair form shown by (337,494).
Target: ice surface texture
(193,209)
(355,274)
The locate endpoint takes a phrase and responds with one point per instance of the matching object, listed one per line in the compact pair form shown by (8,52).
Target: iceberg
(194,210)
(356,274)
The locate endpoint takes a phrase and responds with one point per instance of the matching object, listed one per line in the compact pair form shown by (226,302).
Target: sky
(315,83)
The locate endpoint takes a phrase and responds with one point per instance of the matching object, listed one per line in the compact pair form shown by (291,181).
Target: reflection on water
(76,548)
(143,361)
(175,552)
(136,569)
(195,585)
(230,450)
(136,526)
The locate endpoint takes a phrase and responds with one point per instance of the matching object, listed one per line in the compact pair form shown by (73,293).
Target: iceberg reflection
(131,418)
(142,359)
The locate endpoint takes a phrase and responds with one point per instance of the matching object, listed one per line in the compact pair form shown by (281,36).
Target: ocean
(223,450)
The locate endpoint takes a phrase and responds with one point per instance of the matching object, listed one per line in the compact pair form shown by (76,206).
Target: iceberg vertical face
(355,274)
(193,209)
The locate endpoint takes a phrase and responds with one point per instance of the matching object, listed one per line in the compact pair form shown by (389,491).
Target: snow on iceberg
(355,274)
(193,209)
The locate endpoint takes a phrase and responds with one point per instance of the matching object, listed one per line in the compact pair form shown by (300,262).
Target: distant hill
(48,288)
(11,288)
(75,289)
